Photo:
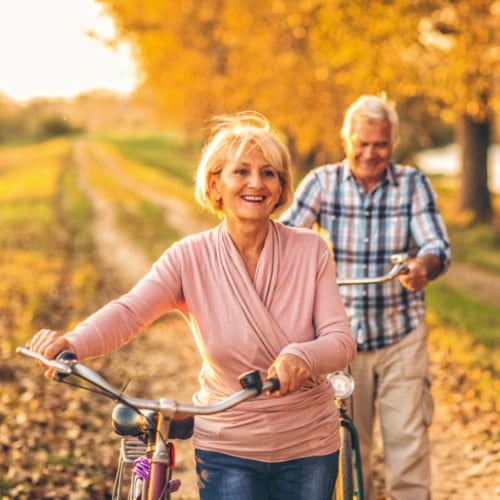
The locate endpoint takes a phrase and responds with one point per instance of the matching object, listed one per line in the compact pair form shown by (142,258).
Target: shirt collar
(389,173)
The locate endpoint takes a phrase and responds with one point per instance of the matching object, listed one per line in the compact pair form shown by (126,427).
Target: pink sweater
(292,306)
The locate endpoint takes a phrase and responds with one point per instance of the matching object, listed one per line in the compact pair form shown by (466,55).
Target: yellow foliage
(465,368)
(15,156)
(31,172)
(28,183)
(28,279)
(84,280)
(302,63)
(41,277)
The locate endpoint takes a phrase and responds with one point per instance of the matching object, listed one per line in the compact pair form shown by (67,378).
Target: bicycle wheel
(344,488)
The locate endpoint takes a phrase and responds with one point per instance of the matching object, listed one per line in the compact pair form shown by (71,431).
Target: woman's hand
(291,371)
(48,343)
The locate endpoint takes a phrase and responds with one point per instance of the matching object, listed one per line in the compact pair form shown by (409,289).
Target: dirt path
(464,467)
(177,214)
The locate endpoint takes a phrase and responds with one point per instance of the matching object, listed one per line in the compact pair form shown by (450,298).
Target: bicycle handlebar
(251,382)
(399,267)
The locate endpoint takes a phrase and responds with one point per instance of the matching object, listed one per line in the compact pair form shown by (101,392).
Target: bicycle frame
(350,482)
(139,433)
(347,422)
(151,420)
(350,476)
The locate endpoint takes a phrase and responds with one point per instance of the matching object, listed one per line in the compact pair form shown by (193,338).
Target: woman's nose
(255,180)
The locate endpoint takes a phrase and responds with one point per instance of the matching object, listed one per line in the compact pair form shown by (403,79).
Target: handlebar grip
(252,379)
(63,356)
(274,384)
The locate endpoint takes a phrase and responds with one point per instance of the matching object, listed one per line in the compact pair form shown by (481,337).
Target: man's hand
(420,271)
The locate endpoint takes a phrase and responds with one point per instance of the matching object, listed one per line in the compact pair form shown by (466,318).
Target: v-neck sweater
(291,306)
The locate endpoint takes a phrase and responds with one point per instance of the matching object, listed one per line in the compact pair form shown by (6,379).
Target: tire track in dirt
(114,250)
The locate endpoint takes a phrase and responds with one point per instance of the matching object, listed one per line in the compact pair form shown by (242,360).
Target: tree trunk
(474,194)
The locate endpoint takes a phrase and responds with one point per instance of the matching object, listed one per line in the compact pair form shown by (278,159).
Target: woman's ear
(213,187)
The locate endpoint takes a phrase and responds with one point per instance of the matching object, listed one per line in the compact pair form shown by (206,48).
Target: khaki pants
(395,382)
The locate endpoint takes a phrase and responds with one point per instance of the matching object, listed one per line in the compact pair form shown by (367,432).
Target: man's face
(369,151)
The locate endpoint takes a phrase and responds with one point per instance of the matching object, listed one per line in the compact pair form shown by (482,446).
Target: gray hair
(372,108)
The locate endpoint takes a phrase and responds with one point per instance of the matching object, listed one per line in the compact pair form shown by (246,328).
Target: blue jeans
(224,477)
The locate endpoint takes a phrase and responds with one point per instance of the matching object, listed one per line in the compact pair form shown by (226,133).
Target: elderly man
(372,208)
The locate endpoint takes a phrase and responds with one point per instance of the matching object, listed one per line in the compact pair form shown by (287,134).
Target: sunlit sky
(45,50)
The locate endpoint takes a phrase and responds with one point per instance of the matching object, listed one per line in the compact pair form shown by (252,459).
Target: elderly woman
(257,295)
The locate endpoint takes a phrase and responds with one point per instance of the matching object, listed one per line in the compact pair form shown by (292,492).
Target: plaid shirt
(365,229)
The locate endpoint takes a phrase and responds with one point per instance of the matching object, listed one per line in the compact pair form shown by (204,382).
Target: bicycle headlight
(342,383)
(126,421)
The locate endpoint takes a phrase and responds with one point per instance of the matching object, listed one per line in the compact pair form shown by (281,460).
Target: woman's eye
(269,173)
(240,171)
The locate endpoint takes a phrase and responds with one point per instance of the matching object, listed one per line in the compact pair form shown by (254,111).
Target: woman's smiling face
(248,187)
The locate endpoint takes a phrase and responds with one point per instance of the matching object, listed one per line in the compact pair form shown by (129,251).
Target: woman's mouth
(253,198)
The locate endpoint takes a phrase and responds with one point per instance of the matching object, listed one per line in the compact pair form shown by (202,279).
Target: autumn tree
(302,63)
(463,36)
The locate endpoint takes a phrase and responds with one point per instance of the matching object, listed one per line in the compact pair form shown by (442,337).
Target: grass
(166,169)
(169,153)
(156,178)
(460,310)
(478,245)
(46,259)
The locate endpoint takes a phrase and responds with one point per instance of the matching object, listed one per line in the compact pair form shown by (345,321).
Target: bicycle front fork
(347,422)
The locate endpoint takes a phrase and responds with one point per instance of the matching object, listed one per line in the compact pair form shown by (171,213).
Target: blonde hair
(373,108)
(231,135)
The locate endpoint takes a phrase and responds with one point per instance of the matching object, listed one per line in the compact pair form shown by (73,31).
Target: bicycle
(350,476)
(148,427)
